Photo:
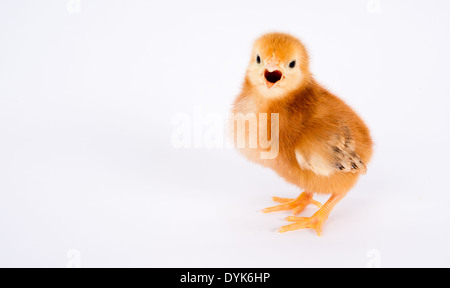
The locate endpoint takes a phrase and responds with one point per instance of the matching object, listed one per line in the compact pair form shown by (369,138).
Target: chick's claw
(282,200)
(314,222)
(296,205)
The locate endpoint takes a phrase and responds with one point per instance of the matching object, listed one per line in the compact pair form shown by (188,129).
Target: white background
(88,92)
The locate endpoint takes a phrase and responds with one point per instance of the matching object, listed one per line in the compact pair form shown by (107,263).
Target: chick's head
(279,65)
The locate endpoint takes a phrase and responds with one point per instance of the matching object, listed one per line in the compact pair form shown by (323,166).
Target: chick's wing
(337,154)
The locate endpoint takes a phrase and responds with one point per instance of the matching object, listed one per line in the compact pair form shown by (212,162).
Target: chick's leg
(316,221)
(296,205)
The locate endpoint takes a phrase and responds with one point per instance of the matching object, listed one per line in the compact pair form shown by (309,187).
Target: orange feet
(314,222)
(296,205)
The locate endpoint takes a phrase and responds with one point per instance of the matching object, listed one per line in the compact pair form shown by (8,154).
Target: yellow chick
(323,145)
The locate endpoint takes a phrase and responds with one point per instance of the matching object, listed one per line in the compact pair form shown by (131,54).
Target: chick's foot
(297,205)
(314,222)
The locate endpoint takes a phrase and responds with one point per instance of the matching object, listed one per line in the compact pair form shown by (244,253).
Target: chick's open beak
(272,74)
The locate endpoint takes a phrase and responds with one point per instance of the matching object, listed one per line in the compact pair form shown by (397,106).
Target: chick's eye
(292,64)
(258,59)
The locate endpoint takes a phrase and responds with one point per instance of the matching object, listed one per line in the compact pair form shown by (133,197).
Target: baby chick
(323,145)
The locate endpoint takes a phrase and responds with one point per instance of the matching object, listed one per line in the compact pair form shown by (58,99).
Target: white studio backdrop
(90,176)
